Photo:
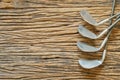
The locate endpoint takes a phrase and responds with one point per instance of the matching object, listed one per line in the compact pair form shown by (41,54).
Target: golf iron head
(88,18)
(87,33)
(88,64)
(88,48)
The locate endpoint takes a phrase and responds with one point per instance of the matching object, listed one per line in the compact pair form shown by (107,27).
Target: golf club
(88,18)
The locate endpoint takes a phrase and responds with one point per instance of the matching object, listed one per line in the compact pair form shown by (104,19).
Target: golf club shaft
(112,13)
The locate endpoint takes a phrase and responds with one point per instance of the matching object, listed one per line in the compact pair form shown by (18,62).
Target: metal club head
(87,33)
(88,18)
(88,64)
(88,48)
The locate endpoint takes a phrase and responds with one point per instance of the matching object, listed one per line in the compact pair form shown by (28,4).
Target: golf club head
(86,33)
(87,17)
(86,48)
(89,64)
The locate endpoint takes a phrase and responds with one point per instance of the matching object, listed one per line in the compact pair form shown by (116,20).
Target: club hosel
(104,42)
(103,56)
(103,32)
(112,26)
(105,20)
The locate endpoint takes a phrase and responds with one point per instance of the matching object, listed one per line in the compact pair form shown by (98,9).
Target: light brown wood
(38,40)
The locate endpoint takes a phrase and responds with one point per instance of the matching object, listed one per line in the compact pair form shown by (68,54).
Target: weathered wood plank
(38,40)
(53,3)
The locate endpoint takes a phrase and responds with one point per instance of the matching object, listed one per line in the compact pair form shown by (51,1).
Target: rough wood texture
(38,40)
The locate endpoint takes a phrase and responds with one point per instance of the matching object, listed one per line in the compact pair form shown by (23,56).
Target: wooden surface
(38,40)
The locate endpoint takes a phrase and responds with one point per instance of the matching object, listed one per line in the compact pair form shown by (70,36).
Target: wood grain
(38,40)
